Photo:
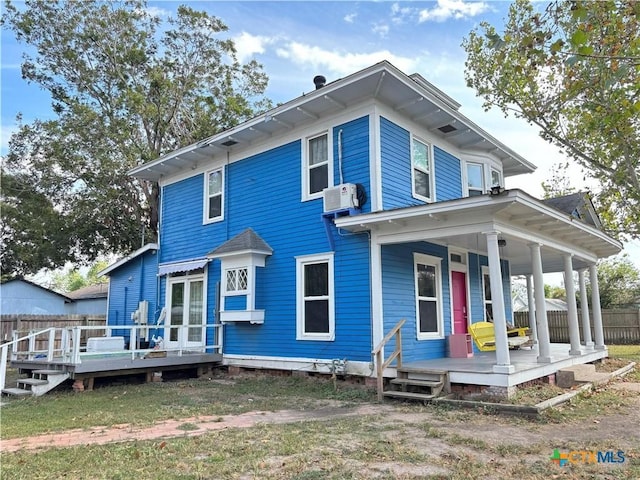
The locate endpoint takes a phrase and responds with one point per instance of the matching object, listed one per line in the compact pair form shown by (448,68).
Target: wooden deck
(478,370)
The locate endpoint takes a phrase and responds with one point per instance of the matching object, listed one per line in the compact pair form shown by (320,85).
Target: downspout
(340,155)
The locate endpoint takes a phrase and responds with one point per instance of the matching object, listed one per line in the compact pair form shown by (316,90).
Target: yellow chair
(484,336)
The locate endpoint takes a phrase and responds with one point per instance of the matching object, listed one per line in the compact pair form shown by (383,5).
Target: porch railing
(63,345)
(395,355)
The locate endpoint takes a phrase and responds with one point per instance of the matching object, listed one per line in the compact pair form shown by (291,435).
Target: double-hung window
(421,170)
(475,179)
(317,168)
(428,296)
(486,295)
(496,178)
(315,298)
(214,195)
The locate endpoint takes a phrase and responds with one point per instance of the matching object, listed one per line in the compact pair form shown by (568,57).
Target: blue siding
(476,262)
(395,156)
(131,283)
(263,192)
(236,302)
(448,175)
(399,301)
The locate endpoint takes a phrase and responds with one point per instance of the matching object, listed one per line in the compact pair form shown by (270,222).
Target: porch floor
(478,370)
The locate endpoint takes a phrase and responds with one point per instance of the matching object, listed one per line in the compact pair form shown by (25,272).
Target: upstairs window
(214,195)
(421,170)
(475,179)
(496,178)
(317,165)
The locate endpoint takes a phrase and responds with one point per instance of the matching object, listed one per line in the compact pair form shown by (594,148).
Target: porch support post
(532,310)
(572,308)
(595,305)
(544,345)
(503,362)
(584,307)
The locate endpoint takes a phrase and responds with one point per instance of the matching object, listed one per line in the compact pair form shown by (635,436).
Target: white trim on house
(131,256)
(377,308)
(375,164)
(430,170)
(436,263)
(306,167)
(301,262)
(462,268)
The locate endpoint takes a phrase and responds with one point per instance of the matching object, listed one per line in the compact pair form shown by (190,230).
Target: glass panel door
(177,310)
(195,312)
(186,297)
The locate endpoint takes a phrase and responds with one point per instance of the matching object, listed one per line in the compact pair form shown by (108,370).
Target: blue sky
(295,41)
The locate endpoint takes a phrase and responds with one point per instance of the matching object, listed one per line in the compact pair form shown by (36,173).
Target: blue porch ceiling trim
(182,266)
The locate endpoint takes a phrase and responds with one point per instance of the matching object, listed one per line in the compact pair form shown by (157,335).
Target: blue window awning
(181,266)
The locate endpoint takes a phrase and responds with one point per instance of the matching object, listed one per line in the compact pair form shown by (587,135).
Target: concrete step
(32,381)
(417,383)
(575,374)
(409,395)
(20,392)
(48,372)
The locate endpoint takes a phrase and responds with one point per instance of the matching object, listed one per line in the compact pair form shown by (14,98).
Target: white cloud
(5,135)
(350,18)
(340,63)
(380,29)
(399,14)
(157,12)
(248,45)
(457,9)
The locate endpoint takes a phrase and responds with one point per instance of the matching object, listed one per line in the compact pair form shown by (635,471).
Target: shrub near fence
(620,326)
(24,324)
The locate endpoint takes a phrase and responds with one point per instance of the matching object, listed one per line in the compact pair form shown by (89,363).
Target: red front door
(459,292)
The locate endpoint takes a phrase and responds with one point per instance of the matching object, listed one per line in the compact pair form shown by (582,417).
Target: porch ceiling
(519,218)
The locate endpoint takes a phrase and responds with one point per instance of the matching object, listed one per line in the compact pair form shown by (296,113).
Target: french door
(187,319)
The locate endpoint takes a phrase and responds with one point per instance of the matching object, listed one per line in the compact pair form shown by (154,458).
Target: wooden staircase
(419,385)
(38,383)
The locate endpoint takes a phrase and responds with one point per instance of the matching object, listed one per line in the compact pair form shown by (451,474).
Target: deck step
(32,381)
(417,383)
(19,392)
(409,395)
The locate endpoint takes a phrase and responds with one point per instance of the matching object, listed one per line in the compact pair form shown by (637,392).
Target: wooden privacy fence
(620,326)
(23,324)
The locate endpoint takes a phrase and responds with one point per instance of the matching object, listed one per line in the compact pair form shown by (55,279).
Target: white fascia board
(131,256)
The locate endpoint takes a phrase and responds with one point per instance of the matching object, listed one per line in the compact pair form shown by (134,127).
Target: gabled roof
(99,290)
(128,258)
(412,96)
(578,205)
(246,241)
(66,298)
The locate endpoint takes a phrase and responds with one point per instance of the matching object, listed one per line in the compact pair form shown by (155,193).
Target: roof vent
(447,128)
(229,142)
(319,81)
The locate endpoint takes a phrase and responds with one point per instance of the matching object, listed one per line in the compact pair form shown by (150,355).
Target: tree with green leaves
(127,86)
(573,70)
(73,279)
(618,282)
(559,184)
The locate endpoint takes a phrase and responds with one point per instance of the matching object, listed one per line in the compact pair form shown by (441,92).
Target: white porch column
(572,308)
(503,361)
(532,310)
(544,345)
(595,305)
(584,307)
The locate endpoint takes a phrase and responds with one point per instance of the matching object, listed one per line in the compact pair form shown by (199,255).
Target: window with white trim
(486,295)
(496,178)
(421,170)
(317,167)
(237,281)
(428,296)
(315,298)
(214,195)
(475,179)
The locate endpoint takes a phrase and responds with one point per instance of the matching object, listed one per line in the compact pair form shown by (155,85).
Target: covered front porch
(498,236)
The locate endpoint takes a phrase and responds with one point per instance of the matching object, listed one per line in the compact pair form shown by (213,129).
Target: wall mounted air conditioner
(340,197)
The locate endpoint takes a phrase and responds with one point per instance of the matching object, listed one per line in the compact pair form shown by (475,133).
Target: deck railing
(395,355)
(63,345)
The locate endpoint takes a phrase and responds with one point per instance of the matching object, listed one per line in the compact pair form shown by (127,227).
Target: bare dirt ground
(622,429)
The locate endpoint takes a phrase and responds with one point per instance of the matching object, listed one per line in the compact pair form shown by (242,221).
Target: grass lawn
(409,442)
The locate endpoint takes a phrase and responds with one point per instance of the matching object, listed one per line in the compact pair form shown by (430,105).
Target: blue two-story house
(311,230)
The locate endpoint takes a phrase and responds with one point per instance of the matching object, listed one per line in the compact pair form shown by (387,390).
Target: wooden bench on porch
(484,336)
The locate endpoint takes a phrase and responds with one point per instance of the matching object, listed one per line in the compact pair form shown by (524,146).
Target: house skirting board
(319,365)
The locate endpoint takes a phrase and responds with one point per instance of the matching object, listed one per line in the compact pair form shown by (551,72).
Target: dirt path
(184,427)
